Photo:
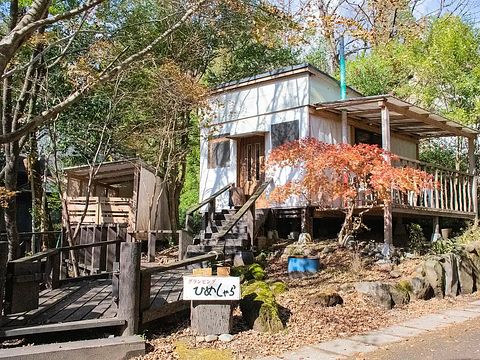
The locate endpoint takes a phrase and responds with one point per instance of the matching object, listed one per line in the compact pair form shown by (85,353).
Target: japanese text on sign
(211,288)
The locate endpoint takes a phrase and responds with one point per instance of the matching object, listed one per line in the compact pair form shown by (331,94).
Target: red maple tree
(343,176)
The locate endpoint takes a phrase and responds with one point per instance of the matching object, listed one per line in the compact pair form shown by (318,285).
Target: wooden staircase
(231,231)
(235,241)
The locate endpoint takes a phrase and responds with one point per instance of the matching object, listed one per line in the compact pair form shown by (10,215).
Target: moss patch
(184,353)
(259,307)
(278,287)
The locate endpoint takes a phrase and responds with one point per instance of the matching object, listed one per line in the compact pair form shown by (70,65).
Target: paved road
(456,342)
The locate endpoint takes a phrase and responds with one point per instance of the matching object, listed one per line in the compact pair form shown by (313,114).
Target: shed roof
(405,118)
(110,172)
(276,74)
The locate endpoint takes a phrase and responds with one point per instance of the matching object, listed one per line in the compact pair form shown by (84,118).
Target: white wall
(262,98)
(323,89)
(403,147)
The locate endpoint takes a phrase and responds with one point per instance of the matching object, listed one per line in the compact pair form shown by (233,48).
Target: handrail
(51,252)
(38,256)
(238,215)
(210,198)
(181,263)
(436,167)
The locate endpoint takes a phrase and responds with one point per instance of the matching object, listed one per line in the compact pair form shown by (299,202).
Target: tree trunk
(346,229)
(11,171)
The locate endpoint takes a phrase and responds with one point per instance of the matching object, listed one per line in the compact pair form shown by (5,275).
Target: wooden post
(211,212)
(152,240)
(145,287)
(307,221)
(436,228)
(129,287)
(345,137)
(387,212)
(471,171)
(96,250)
(184,239)
(251,223)
(211,317)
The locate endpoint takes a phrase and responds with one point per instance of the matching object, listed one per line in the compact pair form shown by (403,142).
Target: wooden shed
(122,192)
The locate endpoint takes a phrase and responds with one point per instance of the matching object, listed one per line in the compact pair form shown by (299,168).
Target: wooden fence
(100,210)
(454,190)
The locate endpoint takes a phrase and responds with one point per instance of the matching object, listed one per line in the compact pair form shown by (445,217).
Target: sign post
(212,299)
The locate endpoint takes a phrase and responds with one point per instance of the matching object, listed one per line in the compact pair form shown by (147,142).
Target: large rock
(326,299)
(259,308)
(465,274)
(400,295)
(435,275)
(378,291)
(475,260)
(449,263)
(421,289)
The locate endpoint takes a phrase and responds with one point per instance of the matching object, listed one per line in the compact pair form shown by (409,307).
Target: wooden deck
(89,304)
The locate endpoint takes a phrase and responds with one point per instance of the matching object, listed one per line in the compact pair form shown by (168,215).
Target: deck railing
(454,191)
(100,210)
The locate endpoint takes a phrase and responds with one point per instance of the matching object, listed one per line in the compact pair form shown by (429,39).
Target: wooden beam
(426,118)
(386,145)
(361,124)
(60,327)
(471,156)
(345,136)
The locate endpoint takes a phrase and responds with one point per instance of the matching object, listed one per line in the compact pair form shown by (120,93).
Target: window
(284,132)
(367,137)
(218,153)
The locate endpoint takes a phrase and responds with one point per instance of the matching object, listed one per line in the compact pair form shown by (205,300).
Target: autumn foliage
(343,176)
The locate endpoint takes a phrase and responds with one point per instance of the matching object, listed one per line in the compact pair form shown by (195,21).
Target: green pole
(343,75)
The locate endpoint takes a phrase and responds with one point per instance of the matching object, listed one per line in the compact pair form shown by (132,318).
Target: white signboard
(211,288)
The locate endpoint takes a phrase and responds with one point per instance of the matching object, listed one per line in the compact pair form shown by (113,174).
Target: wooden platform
(89,304)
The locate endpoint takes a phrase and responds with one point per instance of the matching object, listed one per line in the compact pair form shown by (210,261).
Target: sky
(469,9)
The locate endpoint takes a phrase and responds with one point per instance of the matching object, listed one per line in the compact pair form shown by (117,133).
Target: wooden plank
(21,318)
(69,326)
(100,311)
(181,263)
(63,303)
(62,316)
(87,307)
(163,311)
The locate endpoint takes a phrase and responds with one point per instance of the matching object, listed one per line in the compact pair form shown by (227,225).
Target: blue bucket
(303,264)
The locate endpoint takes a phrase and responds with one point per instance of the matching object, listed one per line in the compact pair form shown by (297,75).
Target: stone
(346,287)
(326,299)
(435,275)
(421,289)
(225,337)
(242,258)
(211,338)
(451,275)
(385,267)
(465,274)
(259,307)
(400,295)
(410,256)
(395,274)
(328,250)
(475,260)
(199,339)
(378,291)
